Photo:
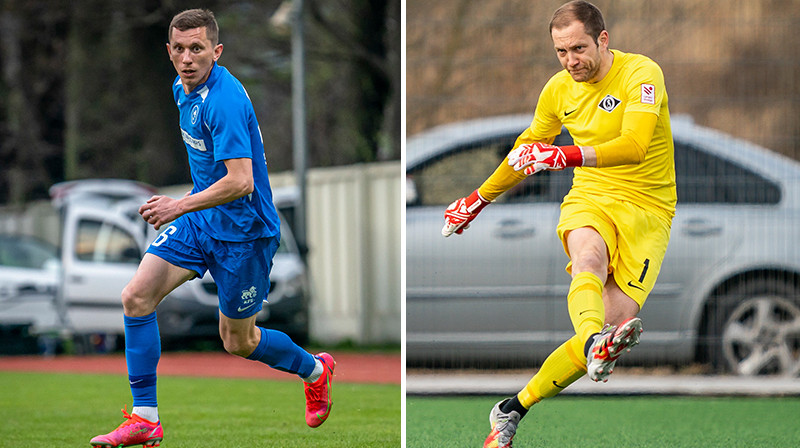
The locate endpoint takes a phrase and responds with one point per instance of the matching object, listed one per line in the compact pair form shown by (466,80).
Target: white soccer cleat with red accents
(609,345)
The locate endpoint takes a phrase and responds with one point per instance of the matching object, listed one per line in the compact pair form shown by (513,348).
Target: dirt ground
(350,367)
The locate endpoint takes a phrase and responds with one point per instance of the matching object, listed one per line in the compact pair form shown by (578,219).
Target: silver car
(728,292)
(29,271)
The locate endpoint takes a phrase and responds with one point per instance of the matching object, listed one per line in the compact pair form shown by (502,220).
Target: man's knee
(135,303)
(588,252)
(590,259)
(238,343)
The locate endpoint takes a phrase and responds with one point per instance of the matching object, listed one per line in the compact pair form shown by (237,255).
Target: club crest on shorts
(248,298)
(249,293)
(609,103)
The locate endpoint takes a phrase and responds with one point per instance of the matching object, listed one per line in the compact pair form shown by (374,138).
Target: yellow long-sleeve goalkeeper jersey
(625,117)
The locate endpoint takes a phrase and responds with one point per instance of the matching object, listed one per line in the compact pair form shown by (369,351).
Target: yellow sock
(585,305)
(563,367)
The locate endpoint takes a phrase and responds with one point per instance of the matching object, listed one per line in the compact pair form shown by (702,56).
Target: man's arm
(238,182)
(629,148)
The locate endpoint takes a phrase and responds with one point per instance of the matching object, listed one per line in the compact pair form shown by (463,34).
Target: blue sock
(142,352)
(278,351)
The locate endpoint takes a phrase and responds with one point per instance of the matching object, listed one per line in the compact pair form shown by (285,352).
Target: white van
(103,238)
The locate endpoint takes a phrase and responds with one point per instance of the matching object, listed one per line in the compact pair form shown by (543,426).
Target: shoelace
(502,436)
(129,418)
(601,351)
(315,392)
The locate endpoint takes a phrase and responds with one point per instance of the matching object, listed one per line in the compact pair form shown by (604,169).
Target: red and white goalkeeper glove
(459,214)
(531,158)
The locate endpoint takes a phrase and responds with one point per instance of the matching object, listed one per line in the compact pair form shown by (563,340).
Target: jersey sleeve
(631,146)
(645,90)
(227,120)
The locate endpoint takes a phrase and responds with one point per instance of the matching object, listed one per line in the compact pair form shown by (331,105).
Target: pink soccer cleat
(133,431)
(318,393)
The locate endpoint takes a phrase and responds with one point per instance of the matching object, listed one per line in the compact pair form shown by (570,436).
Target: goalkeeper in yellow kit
(615,221)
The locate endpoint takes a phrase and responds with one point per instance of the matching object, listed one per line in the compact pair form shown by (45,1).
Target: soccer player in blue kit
(227,225)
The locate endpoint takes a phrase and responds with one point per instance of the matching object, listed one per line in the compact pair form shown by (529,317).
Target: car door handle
(513,229)
(701,227)
(77,279)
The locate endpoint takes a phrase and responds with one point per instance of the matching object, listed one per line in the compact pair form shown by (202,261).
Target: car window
(105,243)
(704,178)
(24,253)
(460,171)
(283,248)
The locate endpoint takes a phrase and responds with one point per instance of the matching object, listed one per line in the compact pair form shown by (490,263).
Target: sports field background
(45,407)
(637,421)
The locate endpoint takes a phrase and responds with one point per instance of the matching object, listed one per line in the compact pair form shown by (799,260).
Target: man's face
(578,53)
(193,55)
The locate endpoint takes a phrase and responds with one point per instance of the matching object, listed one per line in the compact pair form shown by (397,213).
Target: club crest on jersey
(195,113)
(648,94)
(609,103)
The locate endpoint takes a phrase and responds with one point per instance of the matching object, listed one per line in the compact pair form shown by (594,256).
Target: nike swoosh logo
(630,283)
(240,309)
(135,382)
(566,114)
(556,384)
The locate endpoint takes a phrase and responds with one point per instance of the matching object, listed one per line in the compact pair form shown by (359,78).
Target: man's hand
(160,210)
(459,214)
(531,158)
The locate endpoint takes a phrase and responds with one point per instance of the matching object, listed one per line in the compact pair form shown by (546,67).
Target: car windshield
(20,252)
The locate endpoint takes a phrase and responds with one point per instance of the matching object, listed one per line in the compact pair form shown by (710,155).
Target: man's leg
(592,299)
(243,338)
(620,334)
(154,279)
(587,311)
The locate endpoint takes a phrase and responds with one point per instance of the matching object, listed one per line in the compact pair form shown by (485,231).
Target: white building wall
(353,231)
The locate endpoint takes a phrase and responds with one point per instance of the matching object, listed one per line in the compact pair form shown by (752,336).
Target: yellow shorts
(636,239)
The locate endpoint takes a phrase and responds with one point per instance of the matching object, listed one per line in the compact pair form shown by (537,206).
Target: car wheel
(754,329)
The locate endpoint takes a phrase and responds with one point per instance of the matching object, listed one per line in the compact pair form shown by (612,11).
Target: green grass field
(563,422)
(47,410)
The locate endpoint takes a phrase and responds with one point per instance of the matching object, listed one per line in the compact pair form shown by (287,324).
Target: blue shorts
(240,269)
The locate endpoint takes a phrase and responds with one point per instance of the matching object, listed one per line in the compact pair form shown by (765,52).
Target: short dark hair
(581,11)
(196,18)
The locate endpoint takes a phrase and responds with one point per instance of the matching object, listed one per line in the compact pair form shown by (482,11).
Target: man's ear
(602,39)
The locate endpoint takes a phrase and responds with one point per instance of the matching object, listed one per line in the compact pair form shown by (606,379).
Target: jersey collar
(202,89)
(612,72)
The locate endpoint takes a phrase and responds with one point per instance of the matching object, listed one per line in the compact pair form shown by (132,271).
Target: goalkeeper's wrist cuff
(476,202)
(573,155)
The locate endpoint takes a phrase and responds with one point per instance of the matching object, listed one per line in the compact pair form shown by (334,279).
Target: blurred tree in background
(721,59)
(85,86)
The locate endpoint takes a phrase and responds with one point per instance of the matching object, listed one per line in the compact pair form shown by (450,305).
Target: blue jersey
(218,123)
